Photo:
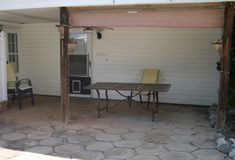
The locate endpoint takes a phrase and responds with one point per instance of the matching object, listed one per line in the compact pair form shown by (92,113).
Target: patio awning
(172,18)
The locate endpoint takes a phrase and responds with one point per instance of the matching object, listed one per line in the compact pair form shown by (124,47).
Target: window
(81,39)
(79,57)
(78,65)
(12,48)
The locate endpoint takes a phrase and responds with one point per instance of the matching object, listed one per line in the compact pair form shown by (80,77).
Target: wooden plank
(225,64)
(181,18)
(149,6)
(64,60)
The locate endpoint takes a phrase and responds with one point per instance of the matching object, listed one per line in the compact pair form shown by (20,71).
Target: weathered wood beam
(149,6)
(225,64)
(64,65)
(181,18)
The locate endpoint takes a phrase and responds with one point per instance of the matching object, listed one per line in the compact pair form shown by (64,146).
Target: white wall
(3,69)
(185,57)
(40,57)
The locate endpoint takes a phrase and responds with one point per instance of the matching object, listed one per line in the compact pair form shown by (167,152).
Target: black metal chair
(12,89)
(24,87)
(18,88)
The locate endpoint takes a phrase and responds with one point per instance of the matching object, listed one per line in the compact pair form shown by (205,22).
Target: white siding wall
(40,57)
(184,56)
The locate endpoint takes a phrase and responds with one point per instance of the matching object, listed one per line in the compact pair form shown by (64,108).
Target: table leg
(149,95)
(107,100)
(157,103)
(130,99)
(153,105)
(98,106)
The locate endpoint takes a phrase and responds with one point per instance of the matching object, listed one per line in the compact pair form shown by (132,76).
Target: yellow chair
(19,88)
(11,82)
(149,76)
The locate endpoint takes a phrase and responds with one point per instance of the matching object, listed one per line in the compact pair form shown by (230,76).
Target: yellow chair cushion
(150,75)
(10,73)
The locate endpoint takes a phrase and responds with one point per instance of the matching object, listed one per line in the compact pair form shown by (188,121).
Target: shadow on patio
(179,133)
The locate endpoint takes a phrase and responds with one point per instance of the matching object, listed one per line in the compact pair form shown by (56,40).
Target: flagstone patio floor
(178,133)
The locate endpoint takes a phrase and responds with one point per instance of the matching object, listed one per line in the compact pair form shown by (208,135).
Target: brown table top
(129,86)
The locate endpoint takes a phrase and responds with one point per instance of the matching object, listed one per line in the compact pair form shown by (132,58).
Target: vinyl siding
(40,57)
(185,58)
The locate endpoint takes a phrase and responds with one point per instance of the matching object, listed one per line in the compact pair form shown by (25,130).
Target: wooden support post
(64,63)
(225,64)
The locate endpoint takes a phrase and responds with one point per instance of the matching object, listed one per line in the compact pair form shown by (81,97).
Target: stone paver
(205,143)
(77,126)
(119,153)
(90,132)
(39,135)
(184,131)
(13,136)
(128,143)
(52,141)
(99,125)
(144,157)
(22,144)
(26,129)
(116,130)
(69,149)
(209,154)
(99,146)
(183,138)
(133,135)
(180,133)
(107,137)
(5,130)
(139,128)
(3,143)
(151,149)
(173,155)
(78,139)
(40,149)
(89,155)
(159,139)
(161,132)
(180,147)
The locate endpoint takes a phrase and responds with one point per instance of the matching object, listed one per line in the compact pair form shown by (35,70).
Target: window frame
(13,57)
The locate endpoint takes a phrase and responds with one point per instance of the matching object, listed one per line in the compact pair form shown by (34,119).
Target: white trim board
(29,4)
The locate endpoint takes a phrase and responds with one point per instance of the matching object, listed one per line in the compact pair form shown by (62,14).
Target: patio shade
(172,18)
